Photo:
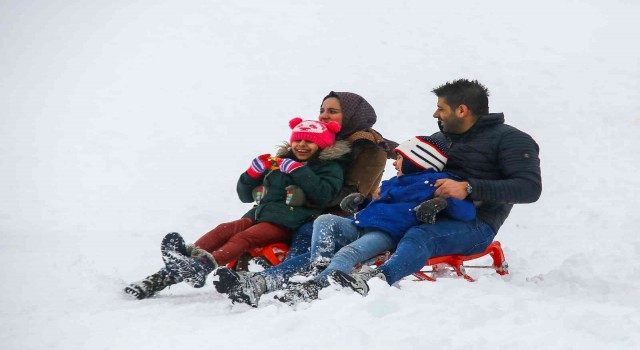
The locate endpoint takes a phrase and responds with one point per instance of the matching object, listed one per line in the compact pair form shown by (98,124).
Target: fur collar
(335,151)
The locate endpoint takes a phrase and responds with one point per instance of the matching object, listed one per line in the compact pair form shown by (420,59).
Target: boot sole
(174,255)
(135,292)
(180,265)
(342,279)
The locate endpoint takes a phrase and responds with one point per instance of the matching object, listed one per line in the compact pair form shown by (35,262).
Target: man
(499,166)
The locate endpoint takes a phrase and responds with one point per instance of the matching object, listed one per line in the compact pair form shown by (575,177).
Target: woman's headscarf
(357,113)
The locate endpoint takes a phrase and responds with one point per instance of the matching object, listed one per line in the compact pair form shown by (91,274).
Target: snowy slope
(121,121)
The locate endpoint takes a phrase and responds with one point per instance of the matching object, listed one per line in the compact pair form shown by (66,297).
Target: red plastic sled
(276,253)
(273,253)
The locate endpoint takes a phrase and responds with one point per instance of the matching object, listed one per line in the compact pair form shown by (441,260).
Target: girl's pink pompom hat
(322,134)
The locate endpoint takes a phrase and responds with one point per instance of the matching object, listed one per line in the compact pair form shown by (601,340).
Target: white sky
(121,121)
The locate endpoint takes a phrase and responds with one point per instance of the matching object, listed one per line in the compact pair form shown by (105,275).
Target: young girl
(312,162)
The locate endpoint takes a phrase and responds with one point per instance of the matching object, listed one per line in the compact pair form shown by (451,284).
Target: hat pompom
(295,121)
(333,126)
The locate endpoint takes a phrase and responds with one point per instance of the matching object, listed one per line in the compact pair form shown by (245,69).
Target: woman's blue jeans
(301,241)
(331,234)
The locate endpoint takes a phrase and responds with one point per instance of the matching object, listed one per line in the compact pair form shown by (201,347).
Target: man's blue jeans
(445,237)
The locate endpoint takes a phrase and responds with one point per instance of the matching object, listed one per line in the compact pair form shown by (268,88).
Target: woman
(369,154)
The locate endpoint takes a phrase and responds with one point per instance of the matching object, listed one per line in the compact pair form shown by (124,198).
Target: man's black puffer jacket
(500,162)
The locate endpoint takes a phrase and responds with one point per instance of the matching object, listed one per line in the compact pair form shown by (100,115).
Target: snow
(124,120)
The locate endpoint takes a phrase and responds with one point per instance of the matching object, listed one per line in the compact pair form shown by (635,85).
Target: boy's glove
(352,202)
(259,165)
(288,165)
(426,211)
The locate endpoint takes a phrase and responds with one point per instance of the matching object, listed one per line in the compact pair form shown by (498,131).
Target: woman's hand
(376,194)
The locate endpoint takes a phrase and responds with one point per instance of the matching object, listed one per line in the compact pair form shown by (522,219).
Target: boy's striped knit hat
(421,153)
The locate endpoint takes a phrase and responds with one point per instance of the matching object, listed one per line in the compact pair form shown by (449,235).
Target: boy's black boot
(356,281)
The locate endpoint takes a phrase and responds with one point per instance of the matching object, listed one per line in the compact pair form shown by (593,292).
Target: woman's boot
(151,285)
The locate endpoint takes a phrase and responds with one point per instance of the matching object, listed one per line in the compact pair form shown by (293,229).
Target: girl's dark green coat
(321,179)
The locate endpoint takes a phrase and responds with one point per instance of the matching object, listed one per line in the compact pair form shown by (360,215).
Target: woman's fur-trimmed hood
(336,151)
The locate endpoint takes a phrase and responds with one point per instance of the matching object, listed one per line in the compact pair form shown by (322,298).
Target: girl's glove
(295,196)
(352,202)
(426,211)
(259,165)
(288,165)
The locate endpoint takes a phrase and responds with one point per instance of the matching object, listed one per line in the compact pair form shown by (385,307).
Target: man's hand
(446,188)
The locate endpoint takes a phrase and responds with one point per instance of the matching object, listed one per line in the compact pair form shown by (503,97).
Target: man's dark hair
(465,92)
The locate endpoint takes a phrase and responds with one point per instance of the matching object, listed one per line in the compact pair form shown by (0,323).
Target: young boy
(373,230)
(311,163)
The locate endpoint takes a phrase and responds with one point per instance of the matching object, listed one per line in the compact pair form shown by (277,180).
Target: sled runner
(274,254)
(444,265)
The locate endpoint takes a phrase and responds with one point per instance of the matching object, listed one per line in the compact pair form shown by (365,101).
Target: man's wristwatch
(469,188)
